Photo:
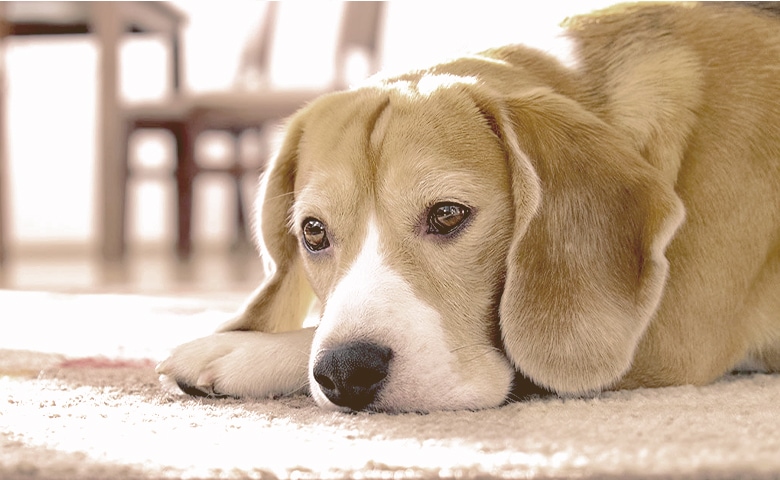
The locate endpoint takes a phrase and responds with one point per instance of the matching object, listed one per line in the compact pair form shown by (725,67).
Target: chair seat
(225,109)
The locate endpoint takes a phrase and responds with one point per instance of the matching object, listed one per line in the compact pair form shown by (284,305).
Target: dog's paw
(192,366)
(240,364)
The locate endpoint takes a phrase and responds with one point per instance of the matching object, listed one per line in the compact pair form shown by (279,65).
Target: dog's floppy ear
(283,300)
(586,268)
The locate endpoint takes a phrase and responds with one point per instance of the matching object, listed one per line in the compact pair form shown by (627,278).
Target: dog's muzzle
(352,374)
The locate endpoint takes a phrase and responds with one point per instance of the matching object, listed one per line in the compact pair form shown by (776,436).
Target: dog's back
(698,90)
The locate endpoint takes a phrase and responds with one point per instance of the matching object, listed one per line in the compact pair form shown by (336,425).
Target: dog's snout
(351,375)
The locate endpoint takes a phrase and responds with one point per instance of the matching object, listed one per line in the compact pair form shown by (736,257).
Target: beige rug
(79,399)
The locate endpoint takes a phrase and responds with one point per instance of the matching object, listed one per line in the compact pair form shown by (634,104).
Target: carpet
(79,399)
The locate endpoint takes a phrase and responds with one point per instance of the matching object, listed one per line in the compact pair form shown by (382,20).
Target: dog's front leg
(242,364)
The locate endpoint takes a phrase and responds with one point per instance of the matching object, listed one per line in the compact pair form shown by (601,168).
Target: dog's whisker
(487,349)
(477,357)
(281,195)
(473,345)
(302,389)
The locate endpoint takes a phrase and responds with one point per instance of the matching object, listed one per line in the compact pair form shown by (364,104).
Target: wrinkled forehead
(335,138)
(389,134)
(435,147)
(336,164)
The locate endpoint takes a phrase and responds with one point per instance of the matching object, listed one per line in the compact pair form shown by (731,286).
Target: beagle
(611,223)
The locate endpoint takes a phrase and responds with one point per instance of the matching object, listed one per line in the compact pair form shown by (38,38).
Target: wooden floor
(150,273)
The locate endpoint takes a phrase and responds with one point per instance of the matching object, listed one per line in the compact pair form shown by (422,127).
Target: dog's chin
(422,407)
(492,389)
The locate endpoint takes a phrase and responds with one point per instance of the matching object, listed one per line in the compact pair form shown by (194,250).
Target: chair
(107,22)
(236,112)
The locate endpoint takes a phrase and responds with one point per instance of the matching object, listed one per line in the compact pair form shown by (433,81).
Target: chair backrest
(361,24)
(359,31)
(265,40)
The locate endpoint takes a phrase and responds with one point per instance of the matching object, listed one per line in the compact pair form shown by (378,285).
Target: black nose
(351,375)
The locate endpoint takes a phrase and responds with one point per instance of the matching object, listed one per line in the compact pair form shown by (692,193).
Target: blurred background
(132,133)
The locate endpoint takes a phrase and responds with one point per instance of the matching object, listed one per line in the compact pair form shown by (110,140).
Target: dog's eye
(314,235)
(445,217)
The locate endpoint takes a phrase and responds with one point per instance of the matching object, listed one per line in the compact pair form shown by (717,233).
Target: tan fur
(392,173)
(627,211)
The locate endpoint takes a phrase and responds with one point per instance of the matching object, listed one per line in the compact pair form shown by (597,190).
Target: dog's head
(454,236)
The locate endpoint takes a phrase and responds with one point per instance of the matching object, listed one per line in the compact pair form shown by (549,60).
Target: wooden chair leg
(238,174)
(186,170)
(129,129)
(3,199)
(2,214)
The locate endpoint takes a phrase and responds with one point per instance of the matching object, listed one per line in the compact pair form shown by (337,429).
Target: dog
(610,222)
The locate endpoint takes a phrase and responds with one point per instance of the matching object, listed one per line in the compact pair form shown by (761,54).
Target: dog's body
(614,223)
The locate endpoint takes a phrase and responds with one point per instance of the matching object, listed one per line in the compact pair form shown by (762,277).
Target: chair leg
(238,175)
(259,163)
(2,218)
(130,128)
(3,171)
(3,200)
(186,171)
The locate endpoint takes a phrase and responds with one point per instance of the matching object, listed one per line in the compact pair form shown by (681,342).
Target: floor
(148,273)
